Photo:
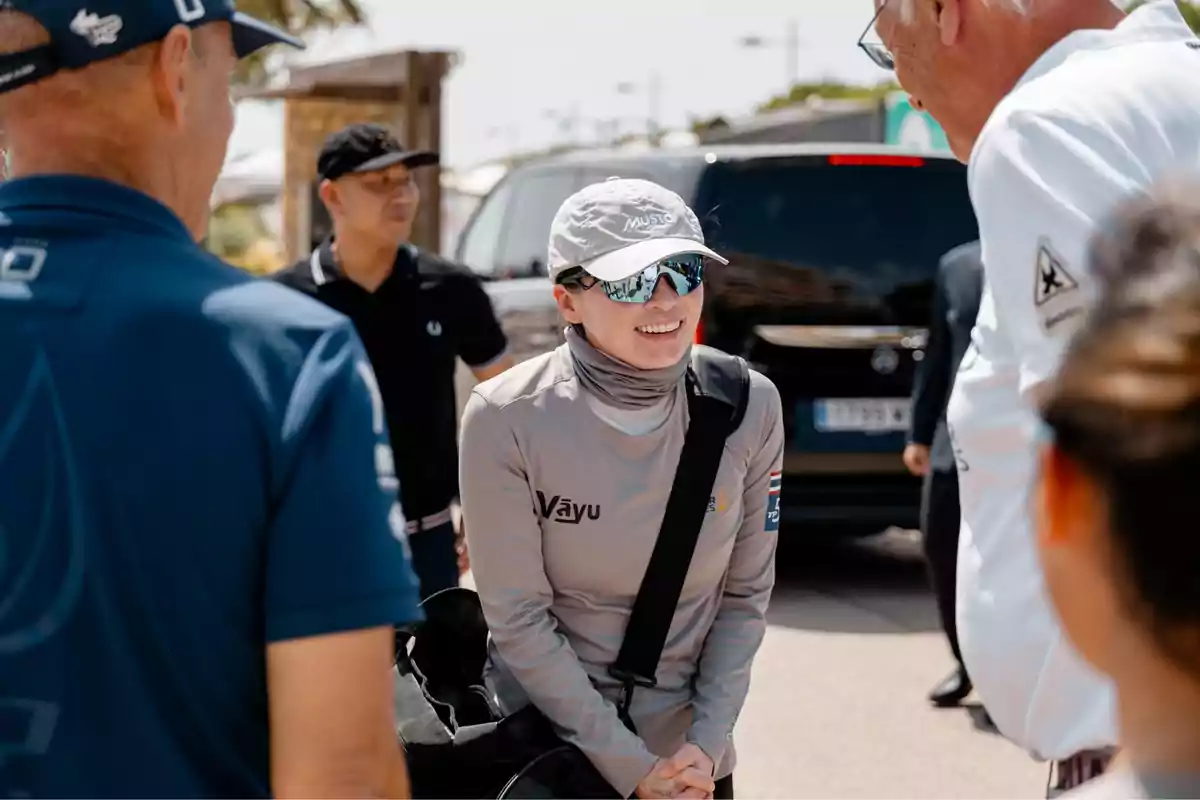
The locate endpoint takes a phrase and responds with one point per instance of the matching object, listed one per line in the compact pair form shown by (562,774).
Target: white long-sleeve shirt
(1098,118)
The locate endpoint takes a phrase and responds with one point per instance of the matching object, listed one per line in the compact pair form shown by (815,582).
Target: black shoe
(952,690)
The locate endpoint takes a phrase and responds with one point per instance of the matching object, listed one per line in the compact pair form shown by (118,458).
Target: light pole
(567,121)
(790,44)
(653,90)
(510,132)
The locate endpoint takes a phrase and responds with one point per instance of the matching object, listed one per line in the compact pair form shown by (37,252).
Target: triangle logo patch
(1051,278)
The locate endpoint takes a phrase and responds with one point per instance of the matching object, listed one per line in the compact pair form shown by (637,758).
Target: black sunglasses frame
(575,276)
(880,56)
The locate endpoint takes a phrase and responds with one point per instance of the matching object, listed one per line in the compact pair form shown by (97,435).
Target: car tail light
(699,337)
(876,161)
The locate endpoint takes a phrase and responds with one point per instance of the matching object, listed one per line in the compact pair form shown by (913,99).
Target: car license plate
(867,415)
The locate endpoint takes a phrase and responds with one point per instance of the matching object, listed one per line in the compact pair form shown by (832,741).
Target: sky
(525,64)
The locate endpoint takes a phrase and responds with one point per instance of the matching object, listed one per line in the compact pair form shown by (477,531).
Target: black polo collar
(324,269)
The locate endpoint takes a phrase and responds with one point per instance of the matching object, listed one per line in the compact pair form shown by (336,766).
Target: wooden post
(423,131)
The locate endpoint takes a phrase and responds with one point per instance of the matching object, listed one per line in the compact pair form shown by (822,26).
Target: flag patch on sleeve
(774,488)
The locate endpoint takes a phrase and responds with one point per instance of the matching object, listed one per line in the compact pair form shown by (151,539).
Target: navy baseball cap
(84,31)
(366,147)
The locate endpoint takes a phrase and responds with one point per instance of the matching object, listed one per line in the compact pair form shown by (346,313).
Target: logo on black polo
(563,509)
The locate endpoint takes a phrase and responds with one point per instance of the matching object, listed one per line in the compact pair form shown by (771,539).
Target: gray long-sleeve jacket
(562,511)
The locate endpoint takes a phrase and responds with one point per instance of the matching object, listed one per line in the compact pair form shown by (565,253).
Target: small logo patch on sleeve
(1055,290)
(774,489)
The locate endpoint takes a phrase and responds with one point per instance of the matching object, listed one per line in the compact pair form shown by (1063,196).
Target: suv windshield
(838,239)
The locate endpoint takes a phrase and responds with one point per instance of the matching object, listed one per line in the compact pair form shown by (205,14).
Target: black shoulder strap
(718,388)
(722,377)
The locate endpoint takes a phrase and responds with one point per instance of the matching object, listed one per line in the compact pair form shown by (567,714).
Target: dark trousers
(940,521)
(434,558)
(724,788)
(1066,776)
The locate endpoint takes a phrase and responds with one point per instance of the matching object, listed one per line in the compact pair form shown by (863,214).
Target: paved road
(837,708)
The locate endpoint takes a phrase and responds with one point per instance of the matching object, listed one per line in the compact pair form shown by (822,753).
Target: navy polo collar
(95,197)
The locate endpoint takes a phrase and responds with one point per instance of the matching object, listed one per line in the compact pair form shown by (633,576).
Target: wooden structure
(402,90)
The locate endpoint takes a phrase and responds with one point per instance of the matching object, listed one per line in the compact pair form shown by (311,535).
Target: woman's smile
(660,328)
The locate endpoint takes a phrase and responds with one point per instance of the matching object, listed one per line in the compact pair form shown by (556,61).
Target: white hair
(1022,7)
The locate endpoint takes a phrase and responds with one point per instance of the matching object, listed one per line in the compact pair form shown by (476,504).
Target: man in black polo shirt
(415,312)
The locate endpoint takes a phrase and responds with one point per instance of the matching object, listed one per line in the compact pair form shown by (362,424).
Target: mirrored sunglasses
(685,273)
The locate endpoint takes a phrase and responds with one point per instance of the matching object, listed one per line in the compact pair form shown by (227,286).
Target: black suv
(832,249)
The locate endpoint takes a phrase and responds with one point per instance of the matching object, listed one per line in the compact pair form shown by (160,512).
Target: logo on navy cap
(96,29)
(190,10)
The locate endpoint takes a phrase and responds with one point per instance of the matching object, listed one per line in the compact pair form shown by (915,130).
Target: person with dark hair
(957,290)
(416,312)
(1116,500)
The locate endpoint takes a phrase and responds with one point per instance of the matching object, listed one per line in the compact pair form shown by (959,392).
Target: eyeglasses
(685,272)
(880,55)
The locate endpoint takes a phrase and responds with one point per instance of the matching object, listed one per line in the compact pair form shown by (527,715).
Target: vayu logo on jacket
(563,509)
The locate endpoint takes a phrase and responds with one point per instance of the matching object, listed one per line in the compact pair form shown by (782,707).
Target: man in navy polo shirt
(201,557)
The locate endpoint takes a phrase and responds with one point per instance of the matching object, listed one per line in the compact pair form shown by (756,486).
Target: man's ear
(568,304)
(172,73)
(949,20)
(327,190)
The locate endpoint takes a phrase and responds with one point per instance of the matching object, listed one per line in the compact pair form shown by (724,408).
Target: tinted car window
(536,198)
(480,243)
(851,243)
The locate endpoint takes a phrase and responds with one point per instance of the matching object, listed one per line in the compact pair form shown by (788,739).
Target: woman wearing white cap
(567,464)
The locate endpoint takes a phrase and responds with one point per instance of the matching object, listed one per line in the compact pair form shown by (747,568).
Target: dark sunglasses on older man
(880,55)
(685,273)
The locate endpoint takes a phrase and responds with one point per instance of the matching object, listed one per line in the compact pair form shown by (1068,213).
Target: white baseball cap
(617,227)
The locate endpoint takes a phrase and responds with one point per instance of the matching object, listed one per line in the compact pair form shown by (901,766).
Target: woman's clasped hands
(687,774)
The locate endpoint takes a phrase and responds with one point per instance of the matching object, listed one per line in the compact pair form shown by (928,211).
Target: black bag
(520,756)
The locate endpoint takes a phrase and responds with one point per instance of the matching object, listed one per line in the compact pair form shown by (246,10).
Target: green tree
(703,125)
(1190,10)
(296,16)
(829,89)
(233,229)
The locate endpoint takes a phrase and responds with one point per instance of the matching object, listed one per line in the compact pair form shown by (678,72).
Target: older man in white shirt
(1062,108)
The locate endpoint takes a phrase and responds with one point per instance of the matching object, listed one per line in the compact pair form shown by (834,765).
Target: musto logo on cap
(648,221)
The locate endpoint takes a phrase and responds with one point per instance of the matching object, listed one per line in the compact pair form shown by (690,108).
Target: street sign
(908,127)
